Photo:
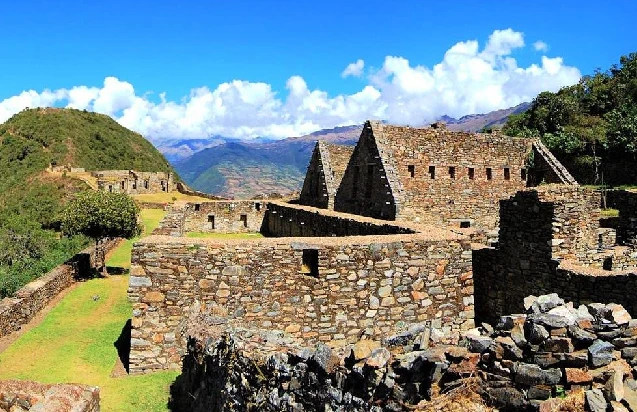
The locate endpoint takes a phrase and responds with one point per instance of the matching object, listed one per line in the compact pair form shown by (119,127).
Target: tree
(101,215)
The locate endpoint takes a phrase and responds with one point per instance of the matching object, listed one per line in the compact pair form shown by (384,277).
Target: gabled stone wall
(433,175)
(368,187)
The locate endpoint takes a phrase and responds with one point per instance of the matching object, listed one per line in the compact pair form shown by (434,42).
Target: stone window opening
(244,219)
(134,184)
(507,173)
(211,220)
(471,173)
(412,170)
(197,207)
(523,174)
(257,206)
(432,172)
(452,172)
(145,184)
(110,188)
(123,185)
(310,262)
(607,264)
(464,224)
(489,173)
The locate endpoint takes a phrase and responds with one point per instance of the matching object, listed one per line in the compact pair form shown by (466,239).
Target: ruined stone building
(324,174)
(427,174)
(133,182)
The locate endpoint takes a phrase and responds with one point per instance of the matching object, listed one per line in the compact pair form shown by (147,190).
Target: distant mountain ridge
(477,122)
(248,168)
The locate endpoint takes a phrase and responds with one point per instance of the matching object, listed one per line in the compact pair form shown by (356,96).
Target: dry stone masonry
(437,176)
(315,289)
(19,396)
(525,362)
(134,182)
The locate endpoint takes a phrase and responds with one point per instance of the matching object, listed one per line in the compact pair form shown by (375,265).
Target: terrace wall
(18,310)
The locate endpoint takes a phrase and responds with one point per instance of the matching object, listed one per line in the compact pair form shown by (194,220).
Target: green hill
(30,198)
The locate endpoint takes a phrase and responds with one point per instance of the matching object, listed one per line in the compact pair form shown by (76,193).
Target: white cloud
(468,79)
(540,46)
(354,69)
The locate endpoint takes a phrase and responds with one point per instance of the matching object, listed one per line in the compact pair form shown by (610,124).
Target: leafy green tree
(21,239)
(592,124)
(101,215)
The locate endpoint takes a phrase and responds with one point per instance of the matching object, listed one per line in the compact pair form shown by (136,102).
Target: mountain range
(246,168)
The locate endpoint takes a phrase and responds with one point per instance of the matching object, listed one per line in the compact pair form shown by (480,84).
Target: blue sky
(150,47)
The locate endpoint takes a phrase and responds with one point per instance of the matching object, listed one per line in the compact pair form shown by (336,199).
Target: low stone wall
(320,289)
(16,396)
(230,216)
(305,221)
(29,300)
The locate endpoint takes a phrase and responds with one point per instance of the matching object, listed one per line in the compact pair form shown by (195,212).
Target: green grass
(121,256)
(205,235)
(76,342)
(610,212)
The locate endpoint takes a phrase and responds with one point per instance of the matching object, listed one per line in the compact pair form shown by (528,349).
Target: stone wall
(232,216)
(320,289)
(369,186)
(432,174)
(134,182)
(18,396)
(550,243)
(324,174)
(626,202)
(18,310)
(287,220)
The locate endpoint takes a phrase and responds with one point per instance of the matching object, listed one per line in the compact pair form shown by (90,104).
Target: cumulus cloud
(540,46)
(468,79)
(354,69)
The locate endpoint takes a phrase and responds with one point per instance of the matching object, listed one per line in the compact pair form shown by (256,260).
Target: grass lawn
(205,235)
(121,256)
(76,343)
(164,197)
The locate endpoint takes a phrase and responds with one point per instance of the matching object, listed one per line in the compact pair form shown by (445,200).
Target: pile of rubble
(552,350)
(527,362)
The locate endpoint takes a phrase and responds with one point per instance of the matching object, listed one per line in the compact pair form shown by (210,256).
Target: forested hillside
(30,199)
(591,127)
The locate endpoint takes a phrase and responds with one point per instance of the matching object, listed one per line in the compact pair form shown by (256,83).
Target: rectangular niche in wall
(507,173)
(211,220)
(471,173)
(432,172)
(412,170)
(310,262)
(452,172)
(244,219)
(489,173)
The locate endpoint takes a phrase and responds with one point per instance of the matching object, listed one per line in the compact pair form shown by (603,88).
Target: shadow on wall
(122,344)
(505,275)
